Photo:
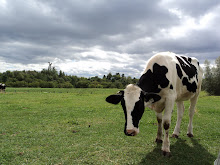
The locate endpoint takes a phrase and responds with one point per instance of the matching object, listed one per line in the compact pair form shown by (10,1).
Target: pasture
(77,126)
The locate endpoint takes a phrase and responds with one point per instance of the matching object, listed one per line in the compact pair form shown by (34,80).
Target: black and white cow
(2,87)
(168,78)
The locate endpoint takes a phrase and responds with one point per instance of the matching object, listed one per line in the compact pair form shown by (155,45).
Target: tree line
(211,81)
(51,78)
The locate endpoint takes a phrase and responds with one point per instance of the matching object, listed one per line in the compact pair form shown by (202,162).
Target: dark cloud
(120,34)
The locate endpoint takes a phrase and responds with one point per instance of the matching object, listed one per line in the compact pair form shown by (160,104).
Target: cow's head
(132,100)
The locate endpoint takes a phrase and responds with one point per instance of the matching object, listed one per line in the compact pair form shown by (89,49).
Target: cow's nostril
(130,131)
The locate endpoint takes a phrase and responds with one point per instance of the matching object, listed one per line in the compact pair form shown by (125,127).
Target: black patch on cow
(166,126)
(150,81)
(159,120)
(190,70)
(171,86)
(137,112)
(179,72)
(153,96)
(116,98)
(125,112)
(190,86)
(189,59)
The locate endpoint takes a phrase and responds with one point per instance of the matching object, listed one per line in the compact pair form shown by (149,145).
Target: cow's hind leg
(180,111)
(193,102)
(160,128)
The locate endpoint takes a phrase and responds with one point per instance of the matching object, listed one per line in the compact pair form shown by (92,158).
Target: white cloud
(3,4)
(12,67)
(188,24)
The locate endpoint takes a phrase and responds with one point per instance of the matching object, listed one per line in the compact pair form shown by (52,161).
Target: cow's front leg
(166,141)
(166,125)
(159,129)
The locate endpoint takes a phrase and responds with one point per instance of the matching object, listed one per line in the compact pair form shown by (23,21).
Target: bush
(20,84)
(66,85)
(34,84)
(82,84)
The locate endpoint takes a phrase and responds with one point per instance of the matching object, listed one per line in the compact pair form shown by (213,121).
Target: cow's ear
(151,96)
(116,98)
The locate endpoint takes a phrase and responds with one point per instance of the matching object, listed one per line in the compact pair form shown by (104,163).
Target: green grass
(77,126)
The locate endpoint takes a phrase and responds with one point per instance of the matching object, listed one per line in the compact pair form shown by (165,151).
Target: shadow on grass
(182,154)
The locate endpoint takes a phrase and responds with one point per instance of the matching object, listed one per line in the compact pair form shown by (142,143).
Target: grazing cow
(168,78)
(2,87)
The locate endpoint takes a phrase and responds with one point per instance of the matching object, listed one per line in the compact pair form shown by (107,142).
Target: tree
(109,76)
(61,74)
(208,81)
(116,77)
(4,77)
(211,82)
(217,77)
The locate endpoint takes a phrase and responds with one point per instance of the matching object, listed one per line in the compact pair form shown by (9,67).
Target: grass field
(77,126)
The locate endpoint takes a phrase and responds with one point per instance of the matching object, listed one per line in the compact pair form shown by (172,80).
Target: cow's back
(169,74)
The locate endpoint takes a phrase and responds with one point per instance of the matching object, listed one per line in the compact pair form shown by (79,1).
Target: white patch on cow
(131,96)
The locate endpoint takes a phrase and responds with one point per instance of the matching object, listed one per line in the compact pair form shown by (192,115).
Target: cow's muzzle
(131,132)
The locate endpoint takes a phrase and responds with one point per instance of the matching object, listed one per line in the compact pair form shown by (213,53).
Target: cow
(168,78)
(2,87)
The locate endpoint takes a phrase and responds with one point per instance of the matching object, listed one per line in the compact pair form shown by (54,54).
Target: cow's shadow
(182,154)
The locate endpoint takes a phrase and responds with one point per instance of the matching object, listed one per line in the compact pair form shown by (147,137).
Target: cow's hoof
(175,136)
(167,154)
(158,141)
(190,135)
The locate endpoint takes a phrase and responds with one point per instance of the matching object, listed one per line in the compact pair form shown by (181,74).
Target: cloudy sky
(94,37)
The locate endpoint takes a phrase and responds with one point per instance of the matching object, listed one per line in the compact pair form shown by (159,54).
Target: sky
(90,38)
